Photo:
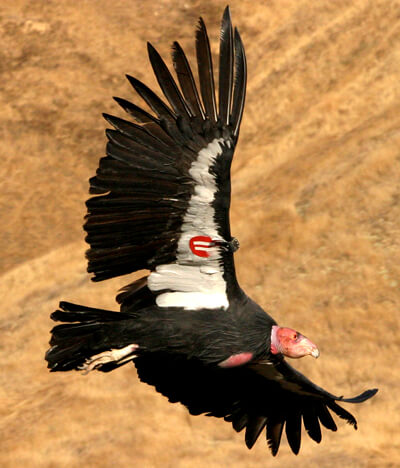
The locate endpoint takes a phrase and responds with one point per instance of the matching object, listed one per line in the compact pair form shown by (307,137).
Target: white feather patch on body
(195,282)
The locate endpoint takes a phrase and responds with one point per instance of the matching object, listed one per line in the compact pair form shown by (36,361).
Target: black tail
(88,331)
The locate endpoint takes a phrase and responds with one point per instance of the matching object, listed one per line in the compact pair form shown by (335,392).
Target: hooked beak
(307,347)
(310,347)
(315,353)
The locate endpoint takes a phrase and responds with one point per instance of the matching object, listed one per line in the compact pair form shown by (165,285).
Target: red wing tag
(199,245)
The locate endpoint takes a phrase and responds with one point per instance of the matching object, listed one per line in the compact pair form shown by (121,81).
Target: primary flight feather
(162,198)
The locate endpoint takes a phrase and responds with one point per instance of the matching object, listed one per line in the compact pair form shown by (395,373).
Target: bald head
(291,343)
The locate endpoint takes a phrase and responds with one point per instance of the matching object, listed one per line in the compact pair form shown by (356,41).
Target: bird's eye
(294,336)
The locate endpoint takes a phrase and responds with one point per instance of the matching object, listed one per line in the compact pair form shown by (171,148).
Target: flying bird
(161,199)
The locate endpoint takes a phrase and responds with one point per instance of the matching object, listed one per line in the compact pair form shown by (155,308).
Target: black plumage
(167,84)
(161,202)
(205,69)
(186,81)
(239,94)
(226,60)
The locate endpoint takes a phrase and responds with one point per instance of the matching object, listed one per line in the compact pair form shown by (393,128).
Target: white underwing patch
(194,281)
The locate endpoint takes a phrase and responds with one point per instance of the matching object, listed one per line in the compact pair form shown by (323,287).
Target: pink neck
(275,344)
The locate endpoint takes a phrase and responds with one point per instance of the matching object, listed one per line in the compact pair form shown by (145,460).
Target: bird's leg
(120,356)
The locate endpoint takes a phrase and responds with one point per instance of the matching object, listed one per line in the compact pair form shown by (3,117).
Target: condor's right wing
(163,190)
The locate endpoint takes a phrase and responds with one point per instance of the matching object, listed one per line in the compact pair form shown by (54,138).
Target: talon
(120,356)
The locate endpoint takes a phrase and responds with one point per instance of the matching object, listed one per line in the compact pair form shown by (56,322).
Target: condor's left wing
(163,190)
(256,398)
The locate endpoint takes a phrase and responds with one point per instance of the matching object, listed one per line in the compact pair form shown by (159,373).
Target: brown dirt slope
(316,183)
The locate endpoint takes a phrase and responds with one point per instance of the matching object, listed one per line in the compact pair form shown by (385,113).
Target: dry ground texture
(316,181)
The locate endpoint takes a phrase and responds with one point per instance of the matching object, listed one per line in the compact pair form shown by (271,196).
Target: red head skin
(291,343)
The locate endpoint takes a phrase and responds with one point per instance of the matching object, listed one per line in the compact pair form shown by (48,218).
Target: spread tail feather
(86,332)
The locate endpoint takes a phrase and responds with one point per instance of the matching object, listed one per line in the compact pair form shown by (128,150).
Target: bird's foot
(120,356)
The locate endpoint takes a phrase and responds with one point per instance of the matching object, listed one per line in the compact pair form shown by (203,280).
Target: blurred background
(316,191)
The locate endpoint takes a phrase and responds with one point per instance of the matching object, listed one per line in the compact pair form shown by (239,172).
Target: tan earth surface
(316,193)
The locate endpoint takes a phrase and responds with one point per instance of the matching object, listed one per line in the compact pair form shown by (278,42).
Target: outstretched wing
(254,397)
(164,186)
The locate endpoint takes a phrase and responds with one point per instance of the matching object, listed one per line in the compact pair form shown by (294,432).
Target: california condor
(161,202)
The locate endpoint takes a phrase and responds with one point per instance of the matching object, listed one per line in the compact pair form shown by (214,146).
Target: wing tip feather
(360,398)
